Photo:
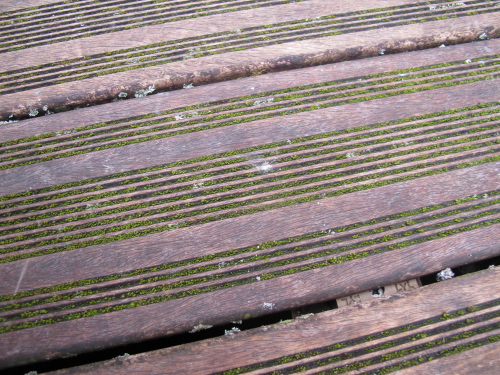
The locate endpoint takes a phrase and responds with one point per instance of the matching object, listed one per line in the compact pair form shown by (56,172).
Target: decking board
(71,74)
(256,208)
(415,331)
(318,150)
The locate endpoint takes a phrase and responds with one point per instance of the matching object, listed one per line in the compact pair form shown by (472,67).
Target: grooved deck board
(428,330)
(138,219)
(55,59)
(210,161)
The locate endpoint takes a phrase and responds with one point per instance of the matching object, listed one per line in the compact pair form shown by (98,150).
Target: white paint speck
(351,154)
(145,92)
(232,331)
(306,316)
(263,101)
(379,293)
(264,168)
(445,274)
(268,306)
(200,327)
(33,112)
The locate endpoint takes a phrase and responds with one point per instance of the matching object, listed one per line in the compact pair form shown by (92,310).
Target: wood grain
(269,344)
(350,176)
(254,59)
(347,166)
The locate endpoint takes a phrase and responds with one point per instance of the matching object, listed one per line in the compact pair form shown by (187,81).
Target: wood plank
(250,200)
(424,330)
(13,5)
(482,360)
(47,74)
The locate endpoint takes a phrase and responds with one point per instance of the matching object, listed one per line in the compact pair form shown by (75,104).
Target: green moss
(178,198)
(334,258)
(228,42)
(123,22)
(91,147)
(289,241)
(350,351)
(163,168)
(214,209)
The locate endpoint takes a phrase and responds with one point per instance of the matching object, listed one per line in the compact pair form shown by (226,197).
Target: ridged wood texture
(144,218)
(61,55)
(428,331)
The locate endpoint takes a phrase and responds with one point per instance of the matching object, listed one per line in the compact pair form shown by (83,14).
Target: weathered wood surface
(427,331)
(145,218)
(482,360)
(62,56)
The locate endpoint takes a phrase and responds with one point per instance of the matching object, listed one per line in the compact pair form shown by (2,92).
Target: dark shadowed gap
(218,331)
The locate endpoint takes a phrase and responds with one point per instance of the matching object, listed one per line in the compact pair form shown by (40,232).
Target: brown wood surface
(483,360)
(10,5)
(258,346)
(347,166)
(291,54)
(217,262)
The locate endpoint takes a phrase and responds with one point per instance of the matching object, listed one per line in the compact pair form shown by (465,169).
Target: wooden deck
(169,166)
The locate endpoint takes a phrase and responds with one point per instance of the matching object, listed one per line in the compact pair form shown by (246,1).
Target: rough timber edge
(256,86)
(241,64)
(428,302)
(226,41)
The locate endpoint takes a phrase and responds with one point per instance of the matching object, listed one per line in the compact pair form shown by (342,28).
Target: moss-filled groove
(151,190)
(421,348)
(119,23)
(279,100)
(249,102)
(346,350)
(100,19)
(200,289)
(85,146)
(219,160)
(242,211)
(239,165)
(53,16)
(245,211)
(266,258)
(465,205)
(221,202)
(203,194)
(206,45)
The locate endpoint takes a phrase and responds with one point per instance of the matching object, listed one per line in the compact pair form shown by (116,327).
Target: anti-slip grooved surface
(238,199)
(195,47)
(414,331)
(216,161)
(59,22)
(48,67)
